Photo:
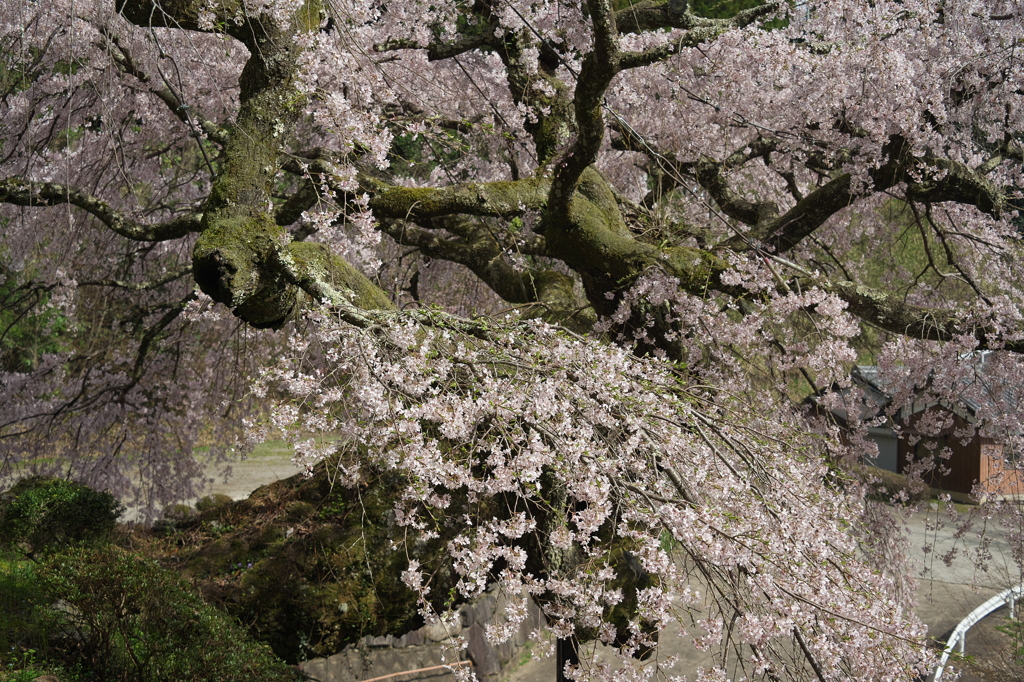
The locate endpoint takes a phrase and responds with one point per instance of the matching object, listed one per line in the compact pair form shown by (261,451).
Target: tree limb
(599,67)
(504,199)
(303,199)
(927,180)
(24,193)
(692,38)
(445,50)
(891,313)
(810,213)
(485,257)
(954,181)
(710,174)
(651,15)
(169,13)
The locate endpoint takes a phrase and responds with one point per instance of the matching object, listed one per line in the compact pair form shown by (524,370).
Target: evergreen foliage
(40,513)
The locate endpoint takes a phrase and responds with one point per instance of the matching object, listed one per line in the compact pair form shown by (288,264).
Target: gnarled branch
(26,193)
(651,15)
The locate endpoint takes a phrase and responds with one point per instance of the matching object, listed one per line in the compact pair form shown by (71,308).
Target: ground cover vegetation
(76,604)
(552,280)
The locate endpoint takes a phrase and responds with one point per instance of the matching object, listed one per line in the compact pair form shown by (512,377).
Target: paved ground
(946,593)
(941,605)
(269,462)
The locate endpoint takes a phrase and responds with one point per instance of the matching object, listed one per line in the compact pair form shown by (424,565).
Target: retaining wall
(423,650)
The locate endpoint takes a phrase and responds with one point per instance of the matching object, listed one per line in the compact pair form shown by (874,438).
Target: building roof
(981,392)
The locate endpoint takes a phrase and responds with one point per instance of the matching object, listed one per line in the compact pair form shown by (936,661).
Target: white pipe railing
(959,635)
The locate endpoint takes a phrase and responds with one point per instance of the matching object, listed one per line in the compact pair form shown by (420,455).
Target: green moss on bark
(234,263)
(316,261)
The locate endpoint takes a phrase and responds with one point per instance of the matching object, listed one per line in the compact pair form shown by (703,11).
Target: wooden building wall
(963,464)
(979,460)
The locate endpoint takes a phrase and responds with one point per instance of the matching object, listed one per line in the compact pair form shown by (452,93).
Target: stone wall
(424,650)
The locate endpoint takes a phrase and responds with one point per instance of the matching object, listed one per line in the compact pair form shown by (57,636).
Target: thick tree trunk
(567,652)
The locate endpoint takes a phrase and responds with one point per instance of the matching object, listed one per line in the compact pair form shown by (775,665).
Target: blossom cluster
(599,484)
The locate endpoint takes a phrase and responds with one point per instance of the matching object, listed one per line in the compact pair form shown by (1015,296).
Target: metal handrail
(959,633)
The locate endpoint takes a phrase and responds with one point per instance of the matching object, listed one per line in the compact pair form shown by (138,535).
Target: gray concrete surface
(237,479)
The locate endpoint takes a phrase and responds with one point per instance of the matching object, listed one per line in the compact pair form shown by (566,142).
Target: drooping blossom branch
(560,468)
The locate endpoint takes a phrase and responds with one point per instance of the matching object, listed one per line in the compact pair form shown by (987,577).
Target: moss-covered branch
(243,257)
(810,213)
(482,36)
(174,13)
(890,312)
(498,199)
(652,15)
(930,180)
(539,291)
(948,180)
(599,67)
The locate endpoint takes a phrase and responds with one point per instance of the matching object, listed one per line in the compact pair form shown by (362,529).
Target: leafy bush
(30,628)
(41,513)
(20,630)
(130,619)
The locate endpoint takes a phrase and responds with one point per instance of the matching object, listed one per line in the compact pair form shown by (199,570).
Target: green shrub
(30,627)
(178,512)
(41,513)
(130,619)
(20,627)
(175,518)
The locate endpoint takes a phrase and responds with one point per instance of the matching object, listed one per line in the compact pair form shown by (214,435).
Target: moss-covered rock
(212,502)
(308,565)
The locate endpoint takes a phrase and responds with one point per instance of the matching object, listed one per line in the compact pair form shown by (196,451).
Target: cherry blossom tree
(569,268)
